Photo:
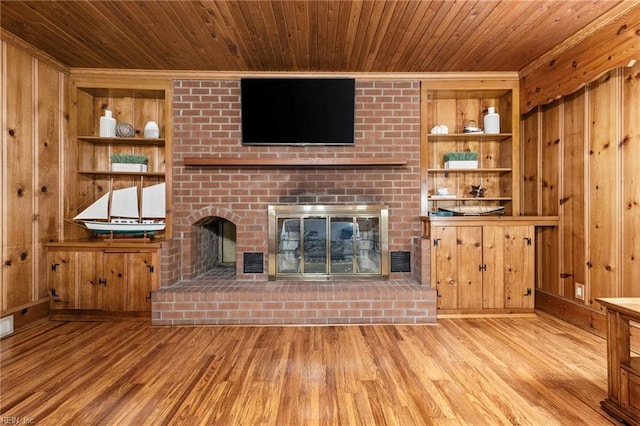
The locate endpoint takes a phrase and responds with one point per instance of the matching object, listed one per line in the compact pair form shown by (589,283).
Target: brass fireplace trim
(318,210)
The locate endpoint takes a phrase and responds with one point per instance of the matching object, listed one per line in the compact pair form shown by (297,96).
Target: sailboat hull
(133,228)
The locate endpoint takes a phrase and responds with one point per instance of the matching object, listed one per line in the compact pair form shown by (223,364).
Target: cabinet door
(457,257)
(469,242)
(61,278)
(509,259)
(444,266)
(113,290)
(141,280)
(90,280)
(519,267)
(493,264)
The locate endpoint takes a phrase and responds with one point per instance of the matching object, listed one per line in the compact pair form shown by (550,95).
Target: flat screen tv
(298,111)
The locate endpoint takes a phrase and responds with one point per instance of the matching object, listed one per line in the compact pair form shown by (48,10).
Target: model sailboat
(118,212)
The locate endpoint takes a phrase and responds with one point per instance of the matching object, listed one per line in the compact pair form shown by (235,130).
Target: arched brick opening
(207,237)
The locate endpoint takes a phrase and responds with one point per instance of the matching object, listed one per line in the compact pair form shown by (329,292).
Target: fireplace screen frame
(367,245)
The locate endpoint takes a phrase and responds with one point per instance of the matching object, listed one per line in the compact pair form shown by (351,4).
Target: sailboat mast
(109,203)
(140,199)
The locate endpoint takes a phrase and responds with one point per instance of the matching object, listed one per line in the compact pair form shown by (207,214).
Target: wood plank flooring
(503,371)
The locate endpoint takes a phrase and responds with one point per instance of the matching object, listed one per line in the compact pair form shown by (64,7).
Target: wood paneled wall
(33,119)
(581,160)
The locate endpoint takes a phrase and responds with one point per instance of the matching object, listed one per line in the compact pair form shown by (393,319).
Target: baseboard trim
(97,315)
(572,312)
(28,314)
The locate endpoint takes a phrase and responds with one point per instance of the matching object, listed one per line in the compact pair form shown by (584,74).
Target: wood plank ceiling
(300,36)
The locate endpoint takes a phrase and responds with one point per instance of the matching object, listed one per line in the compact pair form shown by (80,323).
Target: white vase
(151,130)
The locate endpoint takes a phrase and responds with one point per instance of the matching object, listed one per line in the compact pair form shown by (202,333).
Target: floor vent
(400,261)
(253,263)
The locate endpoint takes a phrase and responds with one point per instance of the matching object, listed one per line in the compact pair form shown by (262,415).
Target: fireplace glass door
(341,244)
(314,244)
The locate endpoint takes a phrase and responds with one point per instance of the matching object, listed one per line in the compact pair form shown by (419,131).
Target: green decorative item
(129,162)
(461,156)
(461,160)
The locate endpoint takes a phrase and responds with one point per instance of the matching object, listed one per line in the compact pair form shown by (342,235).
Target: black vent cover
(253,263)
(400,261)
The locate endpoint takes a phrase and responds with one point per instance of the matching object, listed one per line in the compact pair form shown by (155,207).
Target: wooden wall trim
(611,42)
(80,73)
(311,162)
(28,314)
(16,41)
(579,315)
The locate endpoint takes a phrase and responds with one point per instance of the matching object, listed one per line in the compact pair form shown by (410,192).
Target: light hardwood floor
(526,371)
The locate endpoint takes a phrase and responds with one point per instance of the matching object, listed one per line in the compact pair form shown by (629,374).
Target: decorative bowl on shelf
(472,127)
(474,210)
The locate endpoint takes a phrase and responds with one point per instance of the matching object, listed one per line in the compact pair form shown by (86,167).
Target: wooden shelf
(436,198)
(107,243)
(122,141)
(482,220)
(292,162)
(479,170)
(109,173)
(461,137)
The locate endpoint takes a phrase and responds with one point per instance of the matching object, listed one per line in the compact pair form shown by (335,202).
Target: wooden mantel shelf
(292,162)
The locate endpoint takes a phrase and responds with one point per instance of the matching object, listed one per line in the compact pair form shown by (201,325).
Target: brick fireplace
(206,122)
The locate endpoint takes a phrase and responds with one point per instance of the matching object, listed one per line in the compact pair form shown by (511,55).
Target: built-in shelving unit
(132,101)
(459,105)
(480,264)
(109,276)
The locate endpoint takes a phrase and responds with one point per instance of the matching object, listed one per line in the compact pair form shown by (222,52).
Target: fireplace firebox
(328,241)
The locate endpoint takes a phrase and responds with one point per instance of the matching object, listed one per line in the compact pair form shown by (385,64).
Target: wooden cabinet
(132,101)
(459,104)
(61,278)
(480,262)
(623,370)
(104,278)
(482,267)
(110,275)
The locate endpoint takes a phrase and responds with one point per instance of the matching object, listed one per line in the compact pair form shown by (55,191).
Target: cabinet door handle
(528,293)
(528,240)
(54,266)
(102,281)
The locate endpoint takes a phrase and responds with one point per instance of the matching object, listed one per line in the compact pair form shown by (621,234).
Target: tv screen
(298,111)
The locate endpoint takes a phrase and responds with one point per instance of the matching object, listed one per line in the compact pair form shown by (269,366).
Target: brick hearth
(217,298)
